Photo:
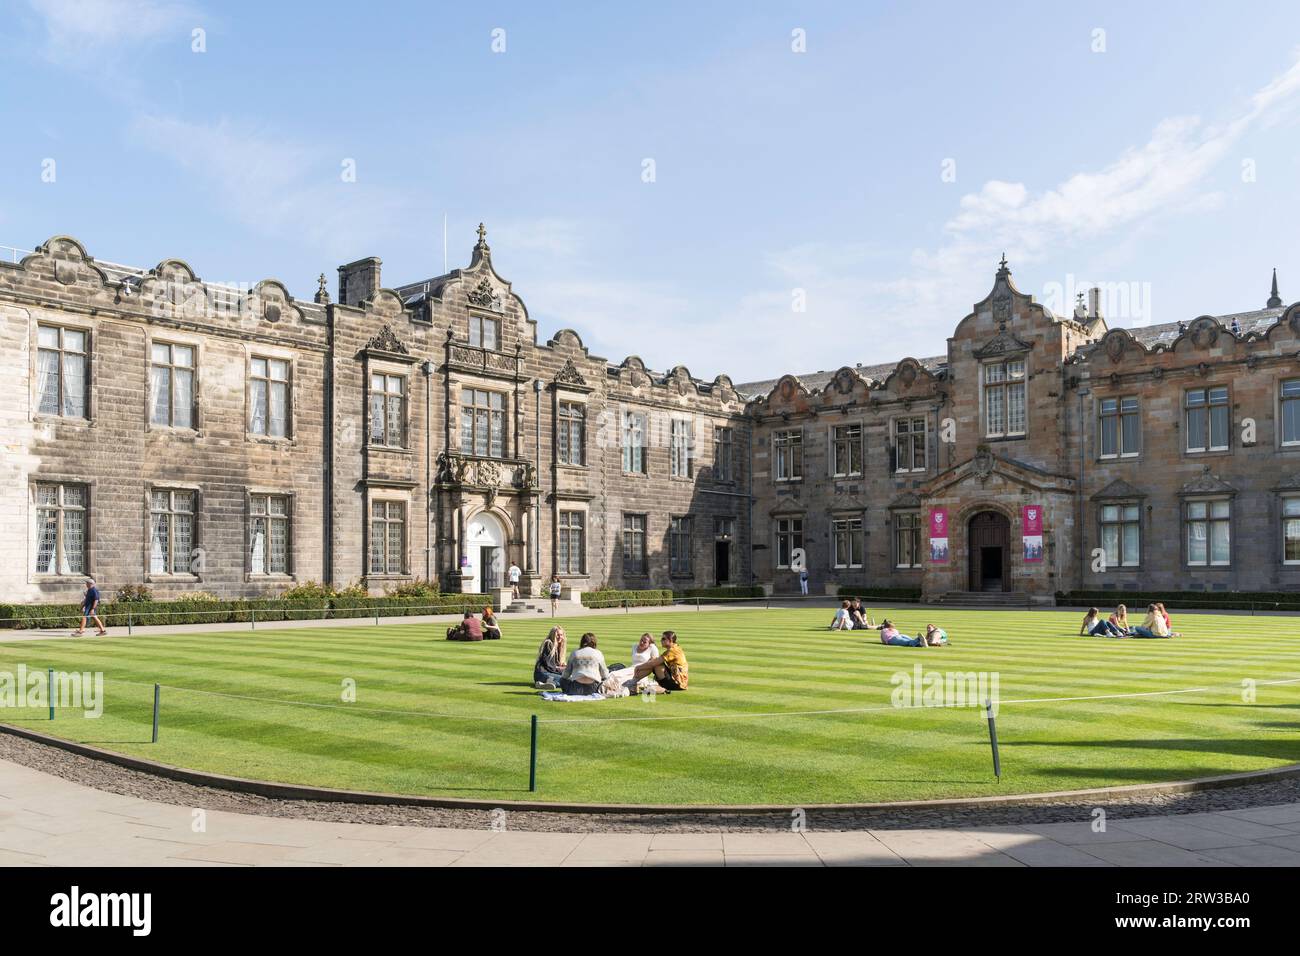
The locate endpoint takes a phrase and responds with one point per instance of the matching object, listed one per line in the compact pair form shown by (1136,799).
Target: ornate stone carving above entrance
(982,465)
(385,341)
(1004,343)
(569,375)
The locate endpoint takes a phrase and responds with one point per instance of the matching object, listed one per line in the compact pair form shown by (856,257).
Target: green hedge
(595,599)
(187,611)
(889,594)
(730,591)
(1241,600)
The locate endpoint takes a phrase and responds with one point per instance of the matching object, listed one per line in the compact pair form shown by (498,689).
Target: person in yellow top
(669,668)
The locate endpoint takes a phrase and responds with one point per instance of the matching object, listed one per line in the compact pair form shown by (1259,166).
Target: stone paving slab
(46,820)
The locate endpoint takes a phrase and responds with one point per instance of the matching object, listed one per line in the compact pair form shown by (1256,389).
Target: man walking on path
(513,574)
(90,608)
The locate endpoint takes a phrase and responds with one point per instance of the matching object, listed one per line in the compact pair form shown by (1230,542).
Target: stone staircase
(986,598)
(528,606)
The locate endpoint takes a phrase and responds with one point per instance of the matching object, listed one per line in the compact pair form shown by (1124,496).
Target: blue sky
(1159,157)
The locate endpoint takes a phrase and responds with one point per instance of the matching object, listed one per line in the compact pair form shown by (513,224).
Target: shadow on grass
(1271,748)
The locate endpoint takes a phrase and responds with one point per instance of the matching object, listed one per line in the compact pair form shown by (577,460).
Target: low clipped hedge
(1227,600)
(725,591)
(187,611)
(597,599)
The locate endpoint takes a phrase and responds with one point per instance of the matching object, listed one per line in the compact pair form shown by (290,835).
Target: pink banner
(1031,525)
(939,535)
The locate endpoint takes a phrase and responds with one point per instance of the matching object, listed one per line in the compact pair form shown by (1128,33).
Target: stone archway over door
(988,548)
(485,549)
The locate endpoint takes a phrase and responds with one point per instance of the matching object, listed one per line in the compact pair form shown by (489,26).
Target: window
(1118,425)
(846,450)
(724,527)
(1121,535)
(61,371)
(60,529)
(723,463)
(634,442)
(679,450)
(907,539)
(1208,532)
(268,534)
(787,450)
(485,332)
(909,444)
(387,537)
(634,544)
(387,410)
(570,433)
(789,538)
(572,550)
(171,384)
(1207,418)
(1290,411)
(1291,530)
(679,546)
(847,535)
(482,423)
(171,531)
(1004,399)
(270,395)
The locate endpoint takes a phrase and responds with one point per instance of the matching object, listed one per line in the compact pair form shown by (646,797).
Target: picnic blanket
(569,698)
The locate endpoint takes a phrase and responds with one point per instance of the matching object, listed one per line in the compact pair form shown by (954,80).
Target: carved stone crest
(844,381)
(1115,346)
(1002,307)
(65,272)
(385,341)
(484,296)
(1205,332)
(569,375)
(489,474)
(983,462)
(907,374)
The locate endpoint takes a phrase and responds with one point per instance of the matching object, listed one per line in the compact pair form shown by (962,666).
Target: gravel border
(115,779)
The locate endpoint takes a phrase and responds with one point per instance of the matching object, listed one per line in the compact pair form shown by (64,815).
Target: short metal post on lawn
(532,758)
(252,619)
(128,622)
(993,737)
(157,693)
(51,685)
(376,615)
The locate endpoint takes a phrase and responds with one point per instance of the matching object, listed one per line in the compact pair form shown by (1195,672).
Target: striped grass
(780,710)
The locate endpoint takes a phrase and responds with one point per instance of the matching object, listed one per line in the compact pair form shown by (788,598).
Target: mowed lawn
(434,717)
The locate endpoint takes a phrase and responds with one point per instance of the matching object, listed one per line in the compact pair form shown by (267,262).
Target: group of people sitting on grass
(1157,623)
(472,629)
(584,673)
(851,617)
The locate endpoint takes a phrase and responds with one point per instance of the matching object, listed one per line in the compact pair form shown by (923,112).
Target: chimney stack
(359,281)
(1094,303)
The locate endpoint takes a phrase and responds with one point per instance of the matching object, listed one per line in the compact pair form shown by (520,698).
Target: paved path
(46,820)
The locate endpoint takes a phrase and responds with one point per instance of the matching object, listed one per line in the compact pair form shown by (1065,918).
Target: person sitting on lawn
(1120,619)
(1095,626)
(934,635)
(669,668)
(491,627)
(644,650)
(843,618)
(469,629)
(1160,606)
(1155,624)
(857,615)
(895,638)
(549,666)
(586,669)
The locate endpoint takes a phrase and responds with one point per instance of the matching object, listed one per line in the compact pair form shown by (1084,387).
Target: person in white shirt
(644,651)
(843,620)
(586,669)
(512,575)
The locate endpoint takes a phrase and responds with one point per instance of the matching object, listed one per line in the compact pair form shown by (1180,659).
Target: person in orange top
(669,668)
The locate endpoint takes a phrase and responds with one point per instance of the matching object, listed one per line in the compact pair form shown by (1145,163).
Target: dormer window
(485,332)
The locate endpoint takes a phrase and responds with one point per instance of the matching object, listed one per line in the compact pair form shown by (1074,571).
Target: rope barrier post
(157,693)
(128,623)
(376,615)
(51,685)
(532,758)
(252,620)
(993,737)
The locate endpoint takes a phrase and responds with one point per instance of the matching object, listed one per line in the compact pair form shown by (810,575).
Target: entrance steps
(986,598)
(525,606)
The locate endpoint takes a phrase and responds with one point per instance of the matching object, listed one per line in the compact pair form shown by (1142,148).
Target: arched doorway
(988,546)
(485,550)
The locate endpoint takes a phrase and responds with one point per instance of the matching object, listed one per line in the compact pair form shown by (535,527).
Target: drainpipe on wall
(427,368)
(537,469)
(1078,491)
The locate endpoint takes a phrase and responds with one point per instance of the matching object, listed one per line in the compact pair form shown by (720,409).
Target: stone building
(1041,454)
(193,436)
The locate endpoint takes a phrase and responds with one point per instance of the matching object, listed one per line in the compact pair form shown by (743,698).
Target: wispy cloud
(77,29)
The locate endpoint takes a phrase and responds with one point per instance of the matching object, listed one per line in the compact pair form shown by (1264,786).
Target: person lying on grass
(934,635)
(895,638)
(669,668)
(549,666)
(586,669)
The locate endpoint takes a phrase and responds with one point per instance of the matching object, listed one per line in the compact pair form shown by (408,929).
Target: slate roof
(816,380)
